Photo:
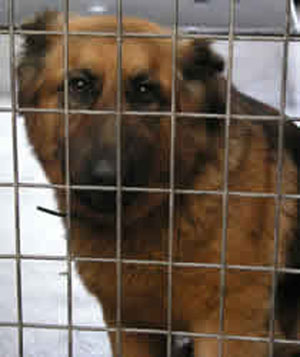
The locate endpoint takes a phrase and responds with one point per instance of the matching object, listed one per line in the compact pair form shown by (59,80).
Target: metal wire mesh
(171,191)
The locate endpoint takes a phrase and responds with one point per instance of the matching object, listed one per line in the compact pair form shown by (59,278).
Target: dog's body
(199,164)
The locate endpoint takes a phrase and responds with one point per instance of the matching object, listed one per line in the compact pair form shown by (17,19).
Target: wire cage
(16,185)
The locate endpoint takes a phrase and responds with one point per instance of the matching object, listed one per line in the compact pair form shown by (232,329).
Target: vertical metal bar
(119,179)
(67,173)
(225,196)
(172,176)
(279,175)
(12,56)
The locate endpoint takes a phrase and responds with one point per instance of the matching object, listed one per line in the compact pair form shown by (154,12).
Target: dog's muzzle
(100,171)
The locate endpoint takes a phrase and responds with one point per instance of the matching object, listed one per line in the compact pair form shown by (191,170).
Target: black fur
(32,56)
(35,44)
(202,63)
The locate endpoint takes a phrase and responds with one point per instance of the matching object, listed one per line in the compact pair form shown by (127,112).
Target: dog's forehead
(101,56)
(99,53)
(137,53)
(108,24)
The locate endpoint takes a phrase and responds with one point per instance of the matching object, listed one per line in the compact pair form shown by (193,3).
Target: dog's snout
(97,172)
(96,166)
(103,172)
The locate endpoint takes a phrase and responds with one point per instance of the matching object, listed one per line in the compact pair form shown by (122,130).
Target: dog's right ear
(198,61)
(202,86)
(33,53)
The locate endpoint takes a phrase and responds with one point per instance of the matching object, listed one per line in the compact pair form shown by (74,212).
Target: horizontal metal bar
(131,113)
(162,263)
(25,185)
(217,36)
(253,37)
(150,113)
(56,326)
(86,328)
(32,257)
(164,114)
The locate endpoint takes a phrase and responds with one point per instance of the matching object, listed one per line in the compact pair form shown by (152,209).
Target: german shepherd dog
(200,233)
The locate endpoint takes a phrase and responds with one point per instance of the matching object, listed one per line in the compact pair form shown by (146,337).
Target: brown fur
(199,165)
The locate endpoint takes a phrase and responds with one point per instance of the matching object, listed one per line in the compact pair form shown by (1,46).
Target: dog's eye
(84,88)
(141,90)
(80,84)
(144,87)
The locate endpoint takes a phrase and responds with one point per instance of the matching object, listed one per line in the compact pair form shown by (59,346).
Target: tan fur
(198,218)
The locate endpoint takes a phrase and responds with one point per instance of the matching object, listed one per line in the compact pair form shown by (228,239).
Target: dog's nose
(103,172)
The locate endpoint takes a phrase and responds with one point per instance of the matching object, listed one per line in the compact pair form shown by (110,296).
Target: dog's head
(93,78)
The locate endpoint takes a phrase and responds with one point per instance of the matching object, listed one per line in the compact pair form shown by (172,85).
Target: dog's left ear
(198,61)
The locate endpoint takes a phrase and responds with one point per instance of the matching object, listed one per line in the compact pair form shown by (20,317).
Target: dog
(201,154)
